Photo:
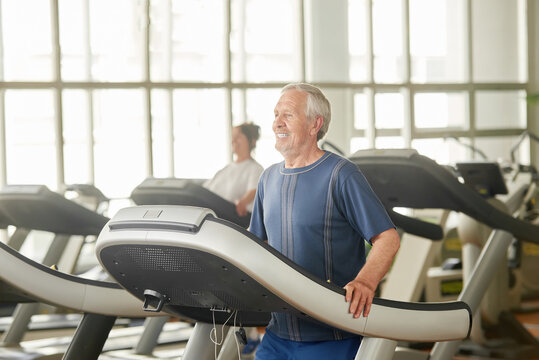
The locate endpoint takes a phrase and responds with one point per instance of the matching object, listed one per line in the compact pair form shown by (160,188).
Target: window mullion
(147,89)
(58,119)
(408,99)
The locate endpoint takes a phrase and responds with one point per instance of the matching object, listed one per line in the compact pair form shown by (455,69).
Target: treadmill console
(484,177)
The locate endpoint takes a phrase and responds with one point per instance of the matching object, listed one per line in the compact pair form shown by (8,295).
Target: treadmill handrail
(415,226)
(397,177)
(38,208)
(53,287)
(277,275)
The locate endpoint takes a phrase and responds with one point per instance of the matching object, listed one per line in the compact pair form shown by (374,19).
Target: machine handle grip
(417,227)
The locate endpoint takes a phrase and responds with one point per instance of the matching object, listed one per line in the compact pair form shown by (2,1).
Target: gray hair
(317,105)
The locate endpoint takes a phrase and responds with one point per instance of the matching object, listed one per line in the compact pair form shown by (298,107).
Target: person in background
(237,181)
(317,209)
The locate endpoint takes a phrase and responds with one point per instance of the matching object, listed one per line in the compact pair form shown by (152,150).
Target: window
(388,110)
(77,133)
(27,40)
(30,137)
(162,133)
(441,110)
(498,39)
(500,109)
(498,148)
(359,40)
(437,41)
(445,151)
(140,88)
(388,41)
(200,122)
(120,153)
(264,41)
(116,46)
(187,40)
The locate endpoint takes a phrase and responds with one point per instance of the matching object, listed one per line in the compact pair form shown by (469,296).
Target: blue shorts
(273,347)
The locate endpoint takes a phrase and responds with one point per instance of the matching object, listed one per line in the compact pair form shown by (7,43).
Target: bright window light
(440,110)
(437,41)
(387,41)
(389,110)
(27,40)
(30,137)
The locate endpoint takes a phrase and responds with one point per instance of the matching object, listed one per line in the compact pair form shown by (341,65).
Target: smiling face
(295,134)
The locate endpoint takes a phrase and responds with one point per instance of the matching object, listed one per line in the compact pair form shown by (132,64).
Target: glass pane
(362,110)
(76,128)
(162,133)
(440,110)
(389,142)
(500,109)
(117,40)
(388,110)
(438,41)
(264,41)
(358,34)
(73,16)
(258,107)
(187,40)
(499,41)
(444,151)
(387,41)
(498,148)
(195,126)
(120,154)
(27,40)
(30,137)
(358,143)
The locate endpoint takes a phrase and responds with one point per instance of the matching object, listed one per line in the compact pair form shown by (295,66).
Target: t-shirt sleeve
(362,207)
(215,182)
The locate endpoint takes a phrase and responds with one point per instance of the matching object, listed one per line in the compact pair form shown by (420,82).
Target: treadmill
(28,282)
(174,191)
(189,263)
(403,178)
(35,207)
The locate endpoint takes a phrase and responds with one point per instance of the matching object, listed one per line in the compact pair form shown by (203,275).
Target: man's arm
(360,291)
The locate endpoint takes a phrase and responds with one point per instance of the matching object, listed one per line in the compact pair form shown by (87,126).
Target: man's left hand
(359,294)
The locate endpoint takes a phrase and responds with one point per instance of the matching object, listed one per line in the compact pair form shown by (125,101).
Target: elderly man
(317,209)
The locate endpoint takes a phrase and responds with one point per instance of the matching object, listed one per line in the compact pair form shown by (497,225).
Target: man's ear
(317,124)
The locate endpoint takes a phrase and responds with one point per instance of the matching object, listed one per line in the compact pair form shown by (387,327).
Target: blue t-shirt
(318,216)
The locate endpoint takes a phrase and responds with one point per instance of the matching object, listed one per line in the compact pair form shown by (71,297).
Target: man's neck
(302,160)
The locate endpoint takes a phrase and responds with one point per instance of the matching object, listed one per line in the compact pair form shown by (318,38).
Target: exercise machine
(393,174)
(189,263)
(26,281)
(162,191)
(29,283)
(35,207)
(173,191)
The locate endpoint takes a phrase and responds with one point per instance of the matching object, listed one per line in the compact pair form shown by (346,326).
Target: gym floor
(528,316)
